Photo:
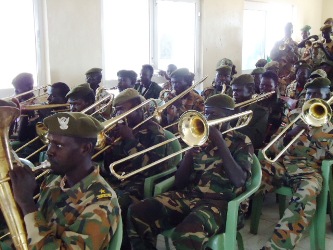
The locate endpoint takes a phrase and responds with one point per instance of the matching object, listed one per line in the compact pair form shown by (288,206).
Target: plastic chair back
(117,238)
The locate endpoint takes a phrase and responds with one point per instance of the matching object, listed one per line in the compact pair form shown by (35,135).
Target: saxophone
(8,205)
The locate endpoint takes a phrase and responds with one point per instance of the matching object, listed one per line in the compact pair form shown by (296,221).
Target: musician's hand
(292,133)
(125,132)
(214,133)
(23,185)
(192,152)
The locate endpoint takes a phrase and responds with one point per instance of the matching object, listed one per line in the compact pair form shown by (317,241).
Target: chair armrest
(164,186)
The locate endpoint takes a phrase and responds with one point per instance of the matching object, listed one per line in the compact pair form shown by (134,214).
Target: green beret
(328,20)
(220,101)
(261,63)
(126,95)
(243,79)
(80,91)
(73,124)
(326,28)
(318,73)
(319,82)
(181,72)
(258,70)
(223,62)
(306,28)
(328,62)
(94,70)
(272,65)
(224,69)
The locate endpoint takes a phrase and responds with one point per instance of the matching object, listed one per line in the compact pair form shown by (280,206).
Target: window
(17,44)
(156,32)
(262,27)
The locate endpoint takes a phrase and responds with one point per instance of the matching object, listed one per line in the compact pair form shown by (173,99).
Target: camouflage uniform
(294,93)
(84,216)
(199,210)
(299,169)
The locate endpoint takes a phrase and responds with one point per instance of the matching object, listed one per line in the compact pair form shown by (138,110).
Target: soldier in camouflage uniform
(148,134)
(208,177)
(299,169)
(77,209)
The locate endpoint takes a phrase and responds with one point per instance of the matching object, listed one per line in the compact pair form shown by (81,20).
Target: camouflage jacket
(294,93)
(84,216)
(307,151)
(209,179)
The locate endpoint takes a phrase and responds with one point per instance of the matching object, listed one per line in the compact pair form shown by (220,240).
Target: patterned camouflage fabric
(298,168)
(199,210)
(294,93)
(82,217)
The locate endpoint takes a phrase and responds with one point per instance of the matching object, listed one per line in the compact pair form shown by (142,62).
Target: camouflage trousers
(194,219)
(302,206)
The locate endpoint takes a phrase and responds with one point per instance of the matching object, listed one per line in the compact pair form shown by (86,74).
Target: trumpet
(315,112)
(193,129)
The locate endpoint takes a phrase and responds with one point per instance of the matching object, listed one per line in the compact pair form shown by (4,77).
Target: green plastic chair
(117,238)
(318,225)
(171,148)
(226,240)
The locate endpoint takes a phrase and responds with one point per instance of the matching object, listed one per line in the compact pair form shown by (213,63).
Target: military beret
(326,27)
(220,101)
(73,124)
(224,69)
(328,20)
(126,95)
(261,63)
(223,62)
(258,70)
(127,73)
(81,90)
(94,70)
(306,28)
(319,82)
(328,62)
(272,65)
(181,72)
(318,73)
(23,78)
(243,79)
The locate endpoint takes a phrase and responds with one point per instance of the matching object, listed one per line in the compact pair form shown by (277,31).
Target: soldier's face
(55,97)
(134,117)
(213,113)
(222,78)
(77,105)
(321,93)
(124,83)
(266,85)
(146,76)
(302,75)
(179,84)
(94,78)
(241,93)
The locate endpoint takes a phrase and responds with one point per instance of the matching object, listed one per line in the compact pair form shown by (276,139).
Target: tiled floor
(268,220)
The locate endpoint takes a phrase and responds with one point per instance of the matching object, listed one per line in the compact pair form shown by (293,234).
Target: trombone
(193,129)
(44,88)
(315,112)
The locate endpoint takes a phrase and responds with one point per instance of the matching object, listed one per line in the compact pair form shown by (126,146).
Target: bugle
(315,112)
(193,129)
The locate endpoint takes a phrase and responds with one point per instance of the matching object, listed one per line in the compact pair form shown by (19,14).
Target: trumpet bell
(316,112)
(193,128)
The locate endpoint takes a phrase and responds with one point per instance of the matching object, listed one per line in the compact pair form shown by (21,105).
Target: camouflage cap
(328,20)
(223,62)
(80,91)
(328,62)
(243,79)
(319,82)
(261,63)
(318,73)
(220,101)
(181,72)
(94,70)
(126,95)
(326,28)
(225,69)
(272,65)
(73,124)
(306,28)
(258,70)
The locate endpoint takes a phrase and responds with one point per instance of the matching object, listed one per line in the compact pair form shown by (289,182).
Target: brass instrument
(254,99)
(7,203)
(43,106)
(315,112)
(101,140)
(43,89)
(193,129)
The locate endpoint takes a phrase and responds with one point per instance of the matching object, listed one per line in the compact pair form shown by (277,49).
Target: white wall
(327,9)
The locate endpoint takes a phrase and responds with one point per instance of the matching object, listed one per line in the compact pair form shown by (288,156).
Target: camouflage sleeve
(244,155)
(93,229)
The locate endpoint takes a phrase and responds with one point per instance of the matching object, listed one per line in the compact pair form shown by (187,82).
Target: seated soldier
(327,66)
(166,74)
(22,83)
(94,78)
(133,140)
(126,79)
(227,62)
(261,63)
(76,209)
(299,169)
(221,83)
(207,178)
(181,80)
(243,89)
(147,88)
(82,97)
(257,73)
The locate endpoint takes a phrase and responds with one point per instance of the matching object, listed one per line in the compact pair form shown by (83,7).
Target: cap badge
(63,121)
